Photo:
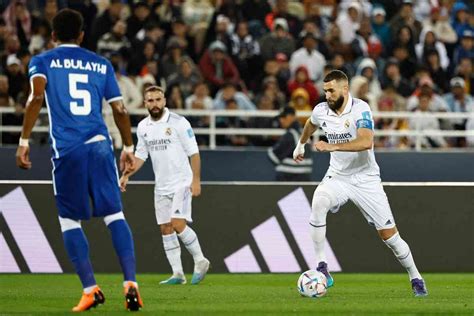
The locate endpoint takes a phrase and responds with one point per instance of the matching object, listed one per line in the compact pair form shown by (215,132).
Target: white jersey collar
(347,109)
(164,118)
(68,45)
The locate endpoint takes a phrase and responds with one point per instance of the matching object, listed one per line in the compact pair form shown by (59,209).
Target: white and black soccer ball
(312,283)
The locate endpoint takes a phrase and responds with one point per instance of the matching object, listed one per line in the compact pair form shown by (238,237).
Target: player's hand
(298,153)
(196,188)
(123,183)
(127,161)
(23,157)
(324,147)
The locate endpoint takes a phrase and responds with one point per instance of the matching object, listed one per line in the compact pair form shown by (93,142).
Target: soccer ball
(312,283)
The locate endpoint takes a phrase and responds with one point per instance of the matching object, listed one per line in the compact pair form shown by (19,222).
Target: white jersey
(170,142)
(342,129)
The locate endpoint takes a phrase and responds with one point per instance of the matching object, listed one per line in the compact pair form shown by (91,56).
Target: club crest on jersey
(347,124)
(168,131)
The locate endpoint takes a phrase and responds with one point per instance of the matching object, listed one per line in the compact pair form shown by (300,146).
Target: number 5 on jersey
(81,94)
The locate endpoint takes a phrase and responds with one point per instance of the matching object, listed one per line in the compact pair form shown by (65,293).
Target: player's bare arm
(195,161)
(364,141)
(129,172)
(32,109)
(122,120)
(309,129)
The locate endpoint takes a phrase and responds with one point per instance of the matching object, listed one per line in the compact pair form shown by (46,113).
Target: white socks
(403,253)
(173,253)
(191,242)
(318,234)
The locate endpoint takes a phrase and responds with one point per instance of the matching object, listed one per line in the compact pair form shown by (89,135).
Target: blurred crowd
(400,55)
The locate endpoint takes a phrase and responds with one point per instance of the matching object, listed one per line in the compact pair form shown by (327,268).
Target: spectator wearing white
(309,57)
(426,86)
(439,22)
(459,101)
(428,40)
(229,92)
(368,69)
(359,89)
(349,22)
(200,99)
(426,122)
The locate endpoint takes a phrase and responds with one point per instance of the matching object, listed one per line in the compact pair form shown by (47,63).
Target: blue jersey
(77,82)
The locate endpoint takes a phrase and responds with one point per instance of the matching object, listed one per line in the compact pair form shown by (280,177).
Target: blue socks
(123,244)
(78,251)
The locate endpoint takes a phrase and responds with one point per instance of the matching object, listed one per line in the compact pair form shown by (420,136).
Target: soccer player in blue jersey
(73,82)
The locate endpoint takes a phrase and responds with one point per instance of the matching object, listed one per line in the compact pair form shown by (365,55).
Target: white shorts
(365,191)
(175,205)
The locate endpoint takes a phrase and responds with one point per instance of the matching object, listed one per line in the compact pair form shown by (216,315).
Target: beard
(336,105)
(156,112)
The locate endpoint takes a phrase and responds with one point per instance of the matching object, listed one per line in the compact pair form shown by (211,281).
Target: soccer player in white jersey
(169,141)
(353,173)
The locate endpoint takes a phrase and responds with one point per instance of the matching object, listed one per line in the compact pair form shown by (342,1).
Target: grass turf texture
(354,294)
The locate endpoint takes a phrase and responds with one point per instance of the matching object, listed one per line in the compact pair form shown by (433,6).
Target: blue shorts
(86,182)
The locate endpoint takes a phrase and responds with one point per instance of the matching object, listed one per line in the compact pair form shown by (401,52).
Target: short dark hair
(335,75)
(67,25)
(154,89)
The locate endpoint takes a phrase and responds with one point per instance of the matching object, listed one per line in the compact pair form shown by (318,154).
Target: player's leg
(72,200)
(163,207)
(370,198)
(324,200)
(181,215)
(173,254)
(106,199)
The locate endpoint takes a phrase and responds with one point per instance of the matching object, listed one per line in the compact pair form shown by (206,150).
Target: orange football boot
(90,300)
(133,301)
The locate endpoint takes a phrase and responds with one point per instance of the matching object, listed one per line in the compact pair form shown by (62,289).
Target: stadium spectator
(349,22)
(41,35)
(246,54)
(438,21)
(16,76)
(436,103)
(278,41)
(19,21)
(105,22)
(272,91)
(380,26)
(217,67)
(197,12)
(466,71)
(428,41)
(280,11)
(368,69)
(186,78)
(406,61)
(405,17)
(172,59)
(459,101)
(403,38)
(174,97)
(426,122)
(255,12)
(308,56)
(179,30)
(301,79)
(465,49)
(392,77)
(299,100)
(219,30)
(229,92)
(141,15)
(114,41)
(334,43)
(460,18)
(365,44)
(265,103)
(439,75)
(200,98)
(359,88)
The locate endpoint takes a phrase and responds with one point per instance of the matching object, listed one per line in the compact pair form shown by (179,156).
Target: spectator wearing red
(302,80)
(217,67)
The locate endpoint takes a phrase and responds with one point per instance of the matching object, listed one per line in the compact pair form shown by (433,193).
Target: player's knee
(320,207)
(178,224)
(109,219)
(166,229)
(68,224)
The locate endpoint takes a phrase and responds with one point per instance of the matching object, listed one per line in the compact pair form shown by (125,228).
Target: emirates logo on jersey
(347,124)
(168,131)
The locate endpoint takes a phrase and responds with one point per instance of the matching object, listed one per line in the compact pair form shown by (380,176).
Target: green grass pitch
(353,294)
